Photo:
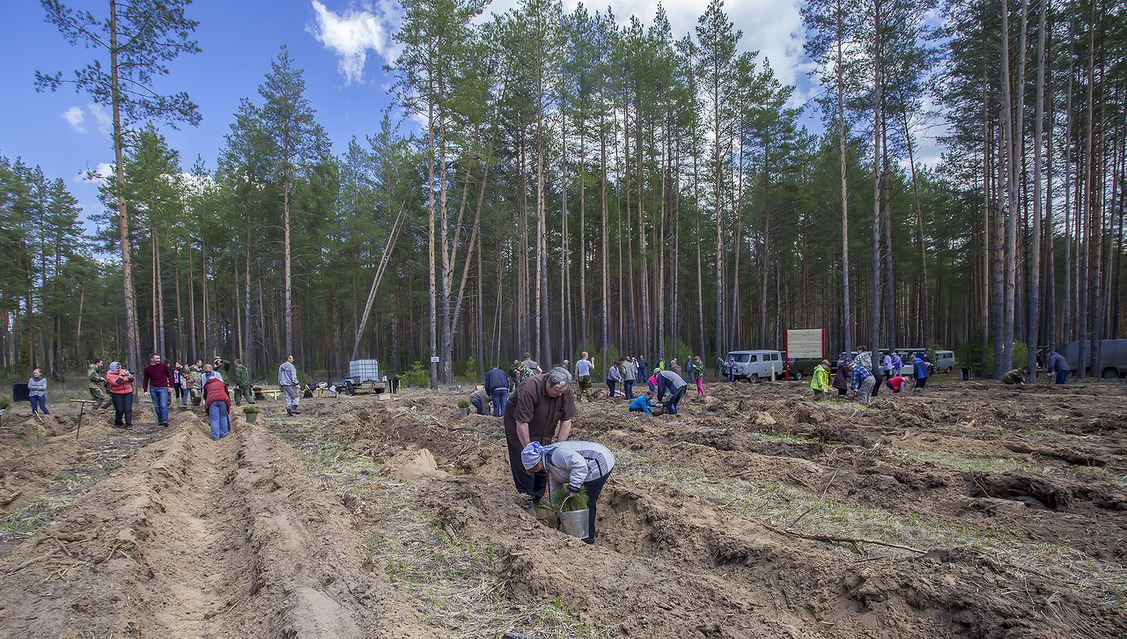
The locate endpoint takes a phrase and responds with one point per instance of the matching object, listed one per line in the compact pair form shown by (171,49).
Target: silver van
(757,365)
(944,361)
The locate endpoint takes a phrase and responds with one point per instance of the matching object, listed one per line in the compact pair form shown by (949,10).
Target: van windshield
(743,357)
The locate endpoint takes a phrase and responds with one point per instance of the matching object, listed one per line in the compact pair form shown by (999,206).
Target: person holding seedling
(572,466)
(642,404)
(541,405)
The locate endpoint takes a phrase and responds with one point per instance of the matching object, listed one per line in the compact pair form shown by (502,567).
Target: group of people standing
(202,383)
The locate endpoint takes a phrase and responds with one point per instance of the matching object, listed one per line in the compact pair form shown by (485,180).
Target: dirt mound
(966,510)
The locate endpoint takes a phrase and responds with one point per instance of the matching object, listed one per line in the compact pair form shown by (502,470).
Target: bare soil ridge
(972,510)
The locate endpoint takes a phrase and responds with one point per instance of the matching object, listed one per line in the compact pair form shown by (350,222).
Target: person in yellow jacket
(821,381)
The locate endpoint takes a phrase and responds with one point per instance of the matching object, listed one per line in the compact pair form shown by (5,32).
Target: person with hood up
(572,466)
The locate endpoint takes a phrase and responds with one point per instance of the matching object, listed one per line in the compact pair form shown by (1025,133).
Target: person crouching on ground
(1016,376)
(642,404)
(672,384)
(921,367)
(896,383)
(863,382)
(480,399)
(217,403)
(821,381)
(572,466)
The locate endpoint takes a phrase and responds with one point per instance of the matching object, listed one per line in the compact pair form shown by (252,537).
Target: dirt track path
(193,543)
(195,538)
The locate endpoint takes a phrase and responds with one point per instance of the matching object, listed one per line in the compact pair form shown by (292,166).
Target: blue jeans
(39,403)
(1062,376)
(478,405)
(610,385)
(628,386)
(674,399)
(500,396)
(159,395)
(219,423)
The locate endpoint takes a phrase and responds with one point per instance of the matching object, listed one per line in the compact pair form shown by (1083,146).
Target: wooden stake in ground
(81,410)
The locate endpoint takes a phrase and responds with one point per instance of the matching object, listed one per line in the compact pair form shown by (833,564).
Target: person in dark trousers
(538,407)
(497,385)
(629,376)
(156,380)
(614,375)
(642,404)
(120,382)
(921,367)
(573,466)
(670,383)
(479,398)
(1058,366)
(176,385)
(37,392)
(896,383)
(842,378)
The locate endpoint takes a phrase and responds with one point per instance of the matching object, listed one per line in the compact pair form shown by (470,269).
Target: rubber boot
(289,412)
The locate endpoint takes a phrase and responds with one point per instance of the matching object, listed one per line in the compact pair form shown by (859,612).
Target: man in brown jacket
(533,412)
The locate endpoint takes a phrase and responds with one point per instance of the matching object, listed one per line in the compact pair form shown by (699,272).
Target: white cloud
(98,176)
(75,117)
(352,33)
(103,116)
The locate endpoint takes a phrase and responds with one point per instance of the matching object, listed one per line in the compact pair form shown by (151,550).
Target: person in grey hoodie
(37,392)
(287,379)
(571,466)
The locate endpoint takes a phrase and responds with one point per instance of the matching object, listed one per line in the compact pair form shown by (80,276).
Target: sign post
(805,343)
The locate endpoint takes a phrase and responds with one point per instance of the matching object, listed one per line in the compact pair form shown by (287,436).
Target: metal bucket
(576,522)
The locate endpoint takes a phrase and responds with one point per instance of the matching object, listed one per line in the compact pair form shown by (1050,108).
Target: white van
(944,361)
(757,365)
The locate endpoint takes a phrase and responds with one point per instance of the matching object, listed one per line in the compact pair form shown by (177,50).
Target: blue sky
(341,45)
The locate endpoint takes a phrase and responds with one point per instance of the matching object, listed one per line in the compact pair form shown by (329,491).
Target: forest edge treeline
(586,184)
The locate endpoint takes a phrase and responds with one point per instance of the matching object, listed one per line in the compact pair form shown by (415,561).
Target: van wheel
(754,378)
(798,375)
(1110,373)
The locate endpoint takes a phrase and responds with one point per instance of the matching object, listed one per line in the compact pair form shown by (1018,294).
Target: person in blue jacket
(642,404)
(920,366)
(497,386)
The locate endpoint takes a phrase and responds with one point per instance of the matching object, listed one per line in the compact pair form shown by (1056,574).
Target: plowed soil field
(969,510)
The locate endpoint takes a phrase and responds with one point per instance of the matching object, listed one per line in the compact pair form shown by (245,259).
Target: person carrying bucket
(571,466)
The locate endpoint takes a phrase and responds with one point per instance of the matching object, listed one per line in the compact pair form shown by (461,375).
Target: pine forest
(554,182)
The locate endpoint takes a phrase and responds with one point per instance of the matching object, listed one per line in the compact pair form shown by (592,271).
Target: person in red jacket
(120,383)
(896,383)
(217,403)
